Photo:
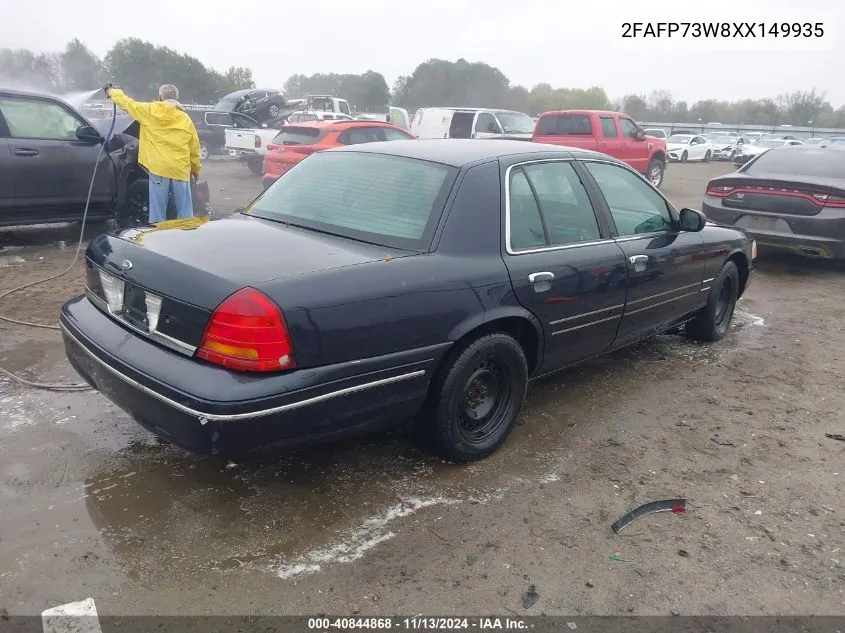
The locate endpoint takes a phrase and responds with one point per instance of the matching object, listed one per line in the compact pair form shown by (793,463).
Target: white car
(656,132)
(751,150)
(684,147)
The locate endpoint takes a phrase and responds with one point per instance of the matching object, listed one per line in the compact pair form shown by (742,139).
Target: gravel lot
(92,505)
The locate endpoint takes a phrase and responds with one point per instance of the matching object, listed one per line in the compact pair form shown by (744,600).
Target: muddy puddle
(160,508)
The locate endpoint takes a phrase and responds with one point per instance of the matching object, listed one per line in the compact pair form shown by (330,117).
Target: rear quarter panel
(722,243)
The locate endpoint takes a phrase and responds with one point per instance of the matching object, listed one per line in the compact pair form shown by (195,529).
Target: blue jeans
(161,189)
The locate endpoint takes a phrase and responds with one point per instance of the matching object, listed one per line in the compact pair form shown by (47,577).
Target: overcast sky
(568,43)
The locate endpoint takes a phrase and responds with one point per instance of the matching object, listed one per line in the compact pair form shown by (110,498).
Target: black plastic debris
(684,553)
(722,441)
(835,436)
(676,506)
(530,597)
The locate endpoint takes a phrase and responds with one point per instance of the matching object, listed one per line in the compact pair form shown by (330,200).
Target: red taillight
(257,141)
(830,201)
(247,332)
(719,190)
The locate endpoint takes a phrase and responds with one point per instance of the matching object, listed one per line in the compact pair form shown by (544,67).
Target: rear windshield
(388,200)
(565,125)
(297,136)
(802,162)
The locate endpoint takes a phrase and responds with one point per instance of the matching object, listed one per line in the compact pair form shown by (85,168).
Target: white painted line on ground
(73,617)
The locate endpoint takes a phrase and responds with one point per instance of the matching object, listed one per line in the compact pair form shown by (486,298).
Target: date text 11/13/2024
(753,30)
(420,623)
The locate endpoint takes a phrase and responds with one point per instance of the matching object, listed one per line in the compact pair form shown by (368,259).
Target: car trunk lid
(184,269)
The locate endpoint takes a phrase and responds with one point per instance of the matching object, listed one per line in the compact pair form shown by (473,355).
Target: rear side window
(804,162)
(387,200)
(297,136)
(391,134)
(608,127)
(357,135)
(549,207)
(565,125)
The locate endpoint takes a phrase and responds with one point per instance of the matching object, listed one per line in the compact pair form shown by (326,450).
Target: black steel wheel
(713,322)
(477,396)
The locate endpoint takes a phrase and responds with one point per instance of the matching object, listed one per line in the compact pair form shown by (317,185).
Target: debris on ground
(589,584)
(675,506)
(530,597)
(722,441)
(675,612)
(355,609)
(835,436)
(617,557)
(684,553)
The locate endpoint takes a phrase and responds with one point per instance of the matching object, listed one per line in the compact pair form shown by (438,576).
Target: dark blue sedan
(380,282)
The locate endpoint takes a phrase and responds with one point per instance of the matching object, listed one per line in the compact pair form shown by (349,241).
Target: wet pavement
(94,506)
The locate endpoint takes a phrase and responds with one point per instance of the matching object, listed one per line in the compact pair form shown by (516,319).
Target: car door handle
(25,151)
(536,278)
(639,262)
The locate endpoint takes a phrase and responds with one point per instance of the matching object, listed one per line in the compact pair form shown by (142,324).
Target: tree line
(140,67)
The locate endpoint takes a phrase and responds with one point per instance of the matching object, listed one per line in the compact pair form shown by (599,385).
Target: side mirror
(639,135)
(89,134)
(692,220)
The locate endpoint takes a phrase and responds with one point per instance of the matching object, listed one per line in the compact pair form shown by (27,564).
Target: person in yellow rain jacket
(169,148)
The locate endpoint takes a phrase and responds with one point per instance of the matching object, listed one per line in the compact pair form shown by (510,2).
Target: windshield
(804,162)
(388,200)
(229,103)
(516,122)
(680,139)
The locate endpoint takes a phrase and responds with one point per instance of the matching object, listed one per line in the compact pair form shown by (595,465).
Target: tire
(256,165)
(203,151)
(494,362)
(274,111)
(136,207)
(656,170)
(684,156)
(707,156)
(714,320)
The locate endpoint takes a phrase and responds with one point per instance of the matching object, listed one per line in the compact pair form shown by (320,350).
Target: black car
(211,127)
(788,198)
(260,104)
(374,282)
(48,151)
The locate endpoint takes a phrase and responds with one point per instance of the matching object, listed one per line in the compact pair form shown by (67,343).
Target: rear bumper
(209,410)
(241,153)
(819,236)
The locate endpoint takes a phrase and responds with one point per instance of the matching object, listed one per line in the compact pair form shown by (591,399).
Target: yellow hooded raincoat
(169,145)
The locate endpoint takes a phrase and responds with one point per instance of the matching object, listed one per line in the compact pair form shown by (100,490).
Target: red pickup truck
(611,133)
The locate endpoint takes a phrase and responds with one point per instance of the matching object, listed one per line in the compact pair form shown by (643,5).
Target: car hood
(121,125)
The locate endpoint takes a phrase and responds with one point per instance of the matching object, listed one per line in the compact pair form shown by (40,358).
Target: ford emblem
(126,265)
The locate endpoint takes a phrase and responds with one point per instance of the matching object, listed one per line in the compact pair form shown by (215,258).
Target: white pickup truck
(250,145)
